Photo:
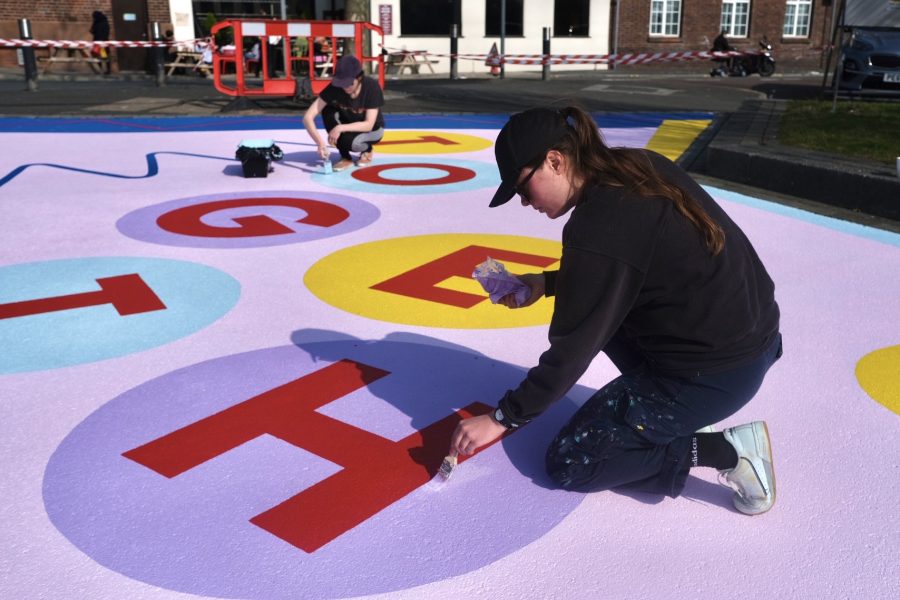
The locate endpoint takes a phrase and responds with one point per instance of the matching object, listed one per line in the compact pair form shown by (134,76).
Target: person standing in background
(274,50)
(100,33)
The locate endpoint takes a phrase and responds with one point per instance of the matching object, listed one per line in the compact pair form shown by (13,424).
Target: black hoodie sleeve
(593,295)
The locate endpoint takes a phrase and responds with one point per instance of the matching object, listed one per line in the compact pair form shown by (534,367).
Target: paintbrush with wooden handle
(447,466)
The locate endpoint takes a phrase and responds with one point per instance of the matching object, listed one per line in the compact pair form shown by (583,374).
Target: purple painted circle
(142,224)
(192,532)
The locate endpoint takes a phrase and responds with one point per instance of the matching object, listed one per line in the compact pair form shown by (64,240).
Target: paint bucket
(256,157)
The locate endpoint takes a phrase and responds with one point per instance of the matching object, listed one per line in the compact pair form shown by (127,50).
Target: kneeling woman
(351,111)
(658,277)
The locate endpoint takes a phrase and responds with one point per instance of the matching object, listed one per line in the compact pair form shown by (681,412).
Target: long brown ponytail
(599,164)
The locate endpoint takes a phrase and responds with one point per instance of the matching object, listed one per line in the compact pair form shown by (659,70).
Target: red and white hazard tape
(76,44)
(586,59)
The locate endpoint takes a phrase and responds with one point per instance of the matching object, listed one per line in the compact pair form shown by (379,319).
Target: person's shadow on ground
(432,379)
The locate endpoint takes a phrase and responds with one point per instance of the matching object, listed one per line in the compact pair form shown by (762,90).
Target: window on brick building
(513,17)
(735,17)
(429,17)
(665,17)
(250,9)
(797,15)
(571,18)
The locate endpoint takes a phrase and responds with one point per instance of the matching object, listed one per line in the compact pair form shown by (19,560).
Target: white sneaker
(753,479)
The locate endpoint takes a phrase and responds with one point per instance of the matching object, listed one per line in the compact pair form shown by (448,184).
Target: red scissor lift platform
(340,35)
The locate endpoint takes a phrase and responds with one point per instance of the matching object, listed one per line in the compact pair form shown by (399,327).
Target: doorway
(131,23)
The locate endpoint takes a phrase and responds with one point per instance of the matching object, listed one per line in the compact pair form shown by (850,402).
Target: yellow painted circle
(366,280)
(430,142)
(878,374)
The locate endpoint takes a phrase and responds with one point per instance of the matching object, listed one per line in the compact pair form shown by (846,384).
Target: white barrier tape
(76,44)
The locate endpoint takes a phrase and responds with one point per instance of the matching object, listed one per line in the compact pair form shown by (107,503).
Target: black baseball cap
(347,70)
(525,137)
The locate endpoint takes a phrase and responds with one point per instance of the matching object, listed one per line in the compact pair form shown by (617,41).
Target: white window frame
(730,22)
(665,18)
(797,18)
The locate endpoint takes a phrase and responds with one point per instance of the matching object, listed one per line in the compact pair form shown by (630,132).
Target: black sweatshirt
(635,263)
(353,110)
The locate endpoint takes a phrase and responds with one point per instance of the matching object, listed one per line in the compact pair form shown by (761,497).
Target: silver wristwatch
(503,420)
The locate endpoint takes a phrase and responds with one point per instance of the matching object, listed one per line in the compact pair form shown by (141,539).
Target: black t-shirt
(633,266)
(353,110)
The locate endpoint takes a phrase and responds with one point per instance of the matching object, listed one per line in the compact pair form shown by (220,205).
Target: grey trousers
(351,141)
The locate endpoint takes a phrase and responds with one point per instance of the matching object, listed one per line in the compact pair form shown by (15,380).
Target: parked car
(871,60)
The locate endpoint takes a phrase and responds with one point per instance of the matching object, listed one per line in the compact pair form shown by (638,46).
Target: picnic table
(72,55)
(409,59)
(188,60)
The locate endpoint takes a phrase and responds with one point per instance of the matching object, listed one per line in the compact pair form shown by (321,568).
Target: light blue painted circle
(486,176)
(194,296)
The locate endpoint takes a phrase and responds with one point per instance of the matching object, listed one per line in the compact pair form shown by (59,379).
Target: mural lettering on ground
(74,311)
(248,220)
(300,464)
(389,279)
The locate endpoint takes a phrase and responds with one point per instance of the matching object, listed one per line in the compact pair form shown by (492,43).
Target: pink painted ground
(78,388)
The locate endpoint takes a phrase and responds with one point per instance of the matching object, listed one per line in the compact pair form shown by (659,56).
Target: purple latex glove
(497,282)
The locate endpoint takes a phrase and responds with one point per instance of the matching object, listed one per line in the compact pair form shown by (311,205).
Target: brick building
(71,20)
(132,19)
(799,30)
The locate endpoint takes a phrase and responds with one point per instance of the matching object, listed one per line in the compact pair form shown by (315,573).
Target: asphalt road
(600,92)
(595,90)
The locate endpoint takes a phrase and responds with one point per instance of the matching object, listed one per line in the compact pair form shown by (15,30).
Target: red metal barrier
(317,69)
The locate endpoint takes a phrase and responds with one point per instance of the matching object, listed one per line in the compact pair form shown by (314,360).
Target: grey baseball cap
(347,70)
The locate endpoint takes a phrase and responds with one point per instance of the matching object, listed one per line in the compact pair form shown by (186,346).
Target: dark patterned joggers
(635,433)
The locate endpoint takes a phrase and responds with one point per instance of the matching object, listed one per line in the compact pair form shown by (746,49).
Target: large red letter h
(376,471)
